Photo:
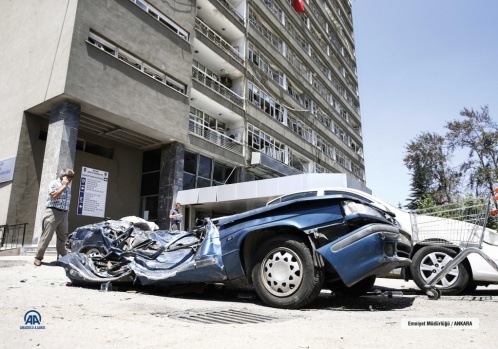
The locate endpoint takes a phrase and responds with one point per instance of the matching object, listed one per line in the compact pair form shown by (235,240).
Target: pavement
(19,261)
(224,317)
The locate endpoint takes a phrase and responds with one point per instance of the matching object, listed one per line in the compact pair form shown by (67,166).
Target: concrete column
(170,182)
(60,151)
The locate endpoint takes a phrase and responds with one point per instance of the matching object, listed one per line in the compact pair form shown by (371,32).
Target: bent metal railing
(215,38)
(217,87)
(12,236)
(214,137)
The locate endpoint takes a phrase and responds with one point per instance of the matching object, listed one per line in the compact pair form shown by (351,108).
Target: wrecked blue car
(288,251)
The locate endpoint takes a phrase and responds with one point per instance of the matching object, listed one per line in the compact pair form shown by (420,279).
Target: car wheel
(358,289)
(470,288)
(429,261)
(94,252)
(284,275)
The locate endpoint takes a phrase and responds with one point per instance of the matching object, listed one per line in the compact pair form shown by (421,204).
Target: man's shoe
(37,262)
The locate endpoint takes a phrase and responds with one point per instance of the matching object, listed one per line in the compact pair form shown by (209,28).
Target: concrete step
(31,251)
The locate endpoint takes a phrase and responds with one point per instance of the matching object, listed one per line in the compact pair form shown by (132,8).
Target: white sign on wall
(7,169)
(93,192)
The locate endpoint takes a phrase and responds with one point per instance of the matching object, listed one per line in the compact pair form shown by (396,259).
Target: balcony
(217,87)
(214,137)
(230,9)
(202,28)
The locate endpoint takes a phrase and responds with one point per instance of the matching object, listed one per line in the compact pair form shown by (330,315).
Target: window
(205,167)
(149,189)
(99,150)
(264,64)
(197,171)
(135,62)
(201,121)
(159,16)
(267,33)
(206,71)
(201,171)
(265,102)
(87,147)
(223,174)
(298,127)
(266,144)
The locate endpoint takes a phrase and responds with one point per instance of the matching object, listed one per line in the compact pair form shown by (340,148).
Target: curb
(21,261)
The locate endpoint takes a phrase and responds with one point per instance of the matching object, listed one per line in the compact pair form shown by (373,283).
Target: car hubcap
(93,252)
(435,262)
(281,272)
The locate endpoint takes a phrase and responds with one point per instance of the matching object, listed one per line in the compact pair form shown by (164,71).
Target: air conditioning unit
(226,81)
(237,137)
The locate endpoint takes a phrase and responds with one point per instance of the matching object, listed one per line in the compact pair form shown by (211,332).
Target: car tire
(429,261)
(93,252)
(470,288)
(284,275)
(357,290)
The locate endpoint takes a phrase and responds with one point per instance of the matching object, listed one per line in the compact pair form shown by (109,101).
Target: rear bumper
(369,250)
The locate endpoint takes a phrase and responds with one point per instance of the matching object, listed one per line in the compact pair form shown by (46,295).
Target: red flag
(298,5)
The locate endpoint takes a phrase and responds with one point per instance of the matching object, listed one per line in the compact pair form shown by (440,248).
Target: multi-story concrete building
(167,96)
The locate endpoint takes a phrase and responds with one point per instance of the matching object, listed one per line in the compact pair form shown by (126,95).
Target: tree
(478,134)
(428,159)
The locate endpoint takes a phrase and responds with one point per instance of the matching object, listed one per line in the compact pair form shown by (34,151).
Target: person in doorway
(175,217)
(56,216)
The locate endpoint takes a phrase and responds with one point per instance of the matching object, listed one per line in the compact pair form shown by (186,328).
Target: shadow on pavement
(373,301)
(368,302)
(380,299)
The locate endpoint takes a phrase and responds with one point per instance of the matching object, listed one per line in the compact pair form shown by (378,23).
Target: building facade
(168,96)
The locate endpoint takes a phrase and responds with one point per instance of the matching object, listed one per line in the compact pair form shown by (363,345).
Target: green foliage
(427,201)
(428,158)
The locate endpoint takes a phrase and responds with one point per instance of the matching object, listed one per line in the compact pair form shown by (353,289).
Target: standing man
(55,219)
(175,217)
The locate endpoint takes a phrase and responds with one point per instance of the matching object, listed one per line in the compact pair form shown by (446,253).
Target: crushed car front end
(371,250)
(159,258)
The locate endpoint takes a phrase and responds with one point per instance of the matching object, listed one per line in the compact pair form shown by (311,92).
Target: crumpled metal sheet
(185,258)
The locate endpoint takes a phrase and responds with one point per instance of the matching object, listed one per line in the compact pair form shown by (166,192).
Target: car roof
(338,190)
(262,210)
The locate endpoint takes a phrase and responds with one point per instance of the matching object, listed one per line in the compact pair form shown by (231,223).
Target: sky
(419,62)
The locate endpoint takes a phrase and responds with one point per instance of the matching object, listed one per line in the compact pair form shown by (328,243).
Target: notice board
(92,192)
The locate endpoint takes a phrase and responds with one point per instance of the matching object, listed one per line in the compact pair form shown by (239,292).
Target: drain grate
(471,298)
(227,316)
(477,298)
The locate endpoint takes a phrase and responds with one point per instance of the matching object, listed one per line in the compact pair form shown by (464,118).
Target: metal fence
(201,27)
(215,137)
(12,236)
(217,87)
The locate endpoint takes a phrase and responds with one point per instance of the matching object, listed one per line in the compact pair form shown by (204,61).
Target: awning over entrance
(240,197)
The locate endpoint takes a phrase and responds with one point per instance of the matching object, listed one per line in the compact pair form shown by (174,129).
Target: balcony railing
(274,9)
(214,137)
(202,28)
(217,87)
(12,236)
(234,12)
(263,30)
